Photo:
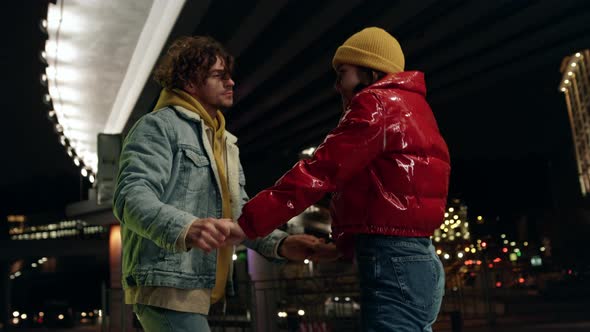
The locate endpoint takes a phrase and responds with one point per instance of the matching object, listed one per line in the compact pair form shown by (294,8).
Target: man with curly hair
(180,188)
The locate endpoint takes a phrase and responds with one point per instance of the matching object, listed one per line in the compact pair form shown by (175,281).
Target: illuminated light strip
(160,21)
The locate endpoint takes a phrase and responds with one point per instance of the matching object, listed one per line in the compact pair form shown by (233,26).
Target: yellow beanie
(373,48)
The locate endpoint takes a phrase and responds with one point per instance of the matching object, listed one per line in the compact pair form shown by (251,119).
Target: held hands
(301,247)
(298,247)
(209,234)
(236,235)
(326,252)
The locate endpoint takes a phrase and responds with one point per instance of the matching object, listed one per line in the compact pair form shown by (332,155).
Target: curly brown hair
(188,60)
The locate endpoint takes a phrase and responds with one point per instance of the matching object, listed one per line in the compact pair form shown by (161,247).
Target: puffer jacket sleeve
(356,141)
(266,246)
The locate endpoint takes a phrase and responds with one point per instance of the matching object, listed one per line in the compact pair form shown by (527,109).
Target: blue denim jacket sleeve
(266,246)
(144,171)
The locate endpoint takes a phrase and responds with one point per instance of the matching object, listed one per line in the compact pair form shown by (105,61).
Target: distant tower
(455,228)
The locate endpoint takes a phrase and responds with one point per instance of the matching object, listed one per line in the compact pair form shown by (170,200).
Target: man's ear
(190,88)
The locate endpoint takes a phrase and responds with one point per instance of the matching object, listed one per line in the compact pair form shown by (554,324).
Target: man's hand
(236,235)
(298,247)
(209,233)
(325,252)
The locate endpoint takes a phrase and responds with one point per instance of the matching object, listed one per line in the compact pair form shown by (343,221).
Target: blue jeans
(155,319)
(402,283)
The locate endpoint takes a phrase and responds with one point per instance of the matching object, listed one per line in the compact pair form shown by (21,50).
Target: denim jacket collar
(192,116)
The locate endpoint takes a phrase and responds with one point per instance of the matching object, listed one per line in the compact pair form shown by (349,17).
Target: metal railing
(332,303)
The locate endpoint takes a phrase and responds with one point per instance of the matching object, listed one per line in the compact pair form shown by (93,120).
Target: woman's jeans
(402,283)
(155,319)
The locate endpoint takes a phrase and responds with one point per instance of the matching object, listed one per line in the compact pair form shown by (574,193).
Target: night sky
(37,175)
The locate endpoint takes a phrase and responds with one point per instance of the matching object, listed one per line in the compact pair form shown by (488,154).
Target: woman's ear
(375,76)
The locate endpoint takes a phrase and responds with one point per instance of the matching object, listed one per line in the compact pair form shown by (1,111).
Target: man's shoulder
(166,113)
(163,117)
(156,123)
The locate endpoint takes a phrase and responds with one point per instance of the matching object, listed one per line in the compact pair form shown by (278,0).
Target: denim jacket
(167,179)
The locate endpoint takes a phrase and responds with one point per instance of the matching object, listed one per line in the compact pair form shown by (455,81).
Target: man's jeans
(402,283)
(154,319)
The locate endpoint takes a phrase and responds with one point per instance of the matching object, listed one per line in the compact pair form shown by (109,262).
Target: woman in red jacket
(388,169)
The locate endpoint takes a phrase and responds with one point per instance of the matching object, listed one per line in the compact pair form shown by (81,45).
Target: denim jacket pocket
(195,170)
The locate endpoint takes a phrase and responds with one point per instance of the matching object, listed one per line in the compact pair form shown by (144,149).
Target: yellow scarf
(178,97)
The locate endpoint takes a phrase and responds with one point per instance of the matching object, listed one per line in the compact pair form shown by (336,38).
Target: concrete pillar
(265,293)
(119,316)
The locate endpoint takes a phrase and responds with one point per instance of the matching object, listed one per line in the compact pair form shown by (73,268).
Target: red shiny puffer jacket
(386,163)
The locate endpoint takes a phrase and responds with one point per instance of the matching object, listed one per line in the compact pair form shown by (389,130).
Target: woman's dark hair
(368,77)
